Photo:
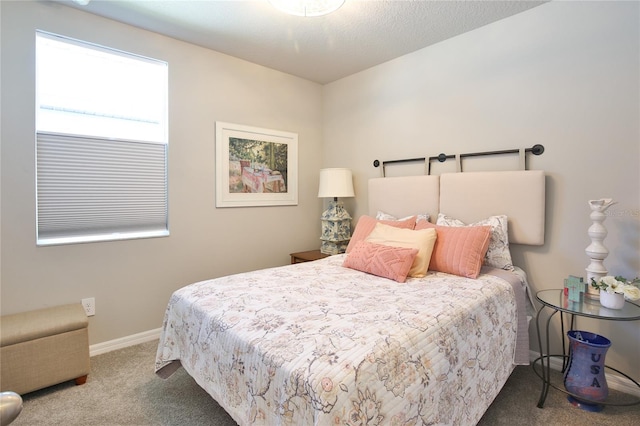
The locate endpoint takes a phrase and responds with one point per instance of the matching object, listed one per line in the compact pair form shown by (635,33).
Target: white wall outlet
(89,305)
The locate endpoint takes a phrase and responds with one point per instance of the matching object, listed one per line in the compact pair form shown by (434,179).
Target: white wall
(132,280)
(565,75)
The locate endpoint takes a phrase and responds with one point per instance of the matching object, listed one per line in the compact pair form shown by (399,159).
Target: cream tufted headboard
(469,197)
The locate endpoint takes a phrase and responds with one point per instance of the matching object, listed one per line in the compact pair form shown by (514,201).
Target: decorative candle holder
(596,251)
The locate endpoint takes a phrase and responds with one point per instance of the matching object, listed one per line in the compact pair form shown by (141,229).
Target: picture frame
(255,166)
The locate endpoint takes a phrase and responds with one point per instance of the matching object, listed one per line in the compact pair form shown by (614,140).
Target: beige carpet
(123,390)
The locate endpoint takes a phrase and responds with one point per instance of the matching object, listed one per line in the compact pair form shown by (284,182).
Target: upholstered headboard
(469,197)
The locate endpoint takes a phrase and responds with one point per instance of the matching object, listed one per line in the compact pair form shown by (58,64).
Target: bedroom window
(101,143)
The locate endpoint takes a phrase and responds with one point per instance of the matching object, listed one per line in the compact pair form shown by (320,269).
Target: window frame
(129,198)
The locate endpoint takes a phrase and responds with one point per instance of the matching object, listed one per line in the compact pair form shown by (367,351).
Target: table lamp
(336,221)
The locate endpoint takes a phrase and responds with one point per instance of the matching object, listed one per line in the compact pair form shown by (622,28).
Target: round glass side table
(556,301)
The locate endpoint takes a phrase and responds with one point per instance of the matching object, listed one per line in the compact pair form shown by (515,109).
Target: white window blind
(101,145)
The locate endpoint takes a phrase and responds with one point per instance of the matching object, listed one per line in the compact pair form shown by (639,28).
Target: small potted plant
(613,290)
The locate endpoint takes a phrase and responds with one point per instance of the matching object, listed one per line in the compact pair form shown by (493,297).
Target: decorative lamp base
(334,247)
(336,229)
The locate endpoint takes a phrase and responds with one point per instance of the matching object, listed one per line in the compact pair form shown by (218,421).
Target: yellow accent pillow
(422,240)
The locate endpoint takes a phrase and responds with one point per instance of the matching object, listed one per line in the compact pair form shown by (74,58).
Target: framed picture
(255,167)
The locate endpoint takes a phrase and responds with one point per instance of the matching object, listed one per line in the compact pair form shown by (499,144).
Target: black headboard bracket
(537,149)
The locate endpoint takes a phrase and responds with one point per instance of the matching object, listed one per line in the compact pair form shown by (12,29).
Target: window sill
(116,236)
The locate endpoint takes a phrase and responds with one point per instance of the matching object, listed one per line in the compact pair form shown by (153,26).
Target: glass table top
(587,307)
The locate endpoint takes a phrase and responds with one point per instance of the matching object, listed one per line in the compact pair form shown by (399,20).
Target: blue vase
(584,376)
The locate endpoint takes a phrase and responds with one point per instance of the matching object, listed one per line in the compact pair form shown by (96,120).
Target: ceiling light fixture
(307,8)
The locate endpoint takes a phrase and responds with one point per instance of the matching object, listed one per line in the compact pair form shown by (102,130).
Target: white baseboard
(614,381)
(124,342)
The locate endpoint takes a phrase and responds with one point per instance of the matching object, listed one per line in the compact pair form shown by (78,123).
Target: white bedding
(317,343)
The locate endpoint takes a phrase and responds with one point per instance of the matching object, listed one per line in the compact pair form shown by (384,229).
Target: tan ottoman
(43,348)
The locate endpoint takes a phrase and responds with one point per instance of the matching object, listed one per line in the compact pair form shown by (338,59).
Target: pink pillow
(459,250)
(498,254)
(384,261)
(366,224)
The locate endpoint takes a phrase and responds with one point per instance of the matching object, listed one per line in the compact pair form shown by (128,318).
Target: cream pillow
(422,240)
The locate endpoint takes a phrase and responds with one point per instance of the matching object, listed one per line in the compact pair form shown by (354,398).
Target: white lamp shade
(335,183)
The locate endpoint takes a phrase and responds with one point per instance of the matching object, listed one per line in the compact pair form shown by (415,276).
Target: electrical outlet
(89,305)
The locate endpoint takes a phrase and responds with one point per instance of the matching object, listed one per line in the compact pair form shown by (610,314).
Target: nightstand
(556,301)
(307,256)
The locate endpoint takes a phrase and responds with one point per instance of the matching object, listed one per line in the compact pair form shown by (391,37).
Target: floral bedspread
(318,344)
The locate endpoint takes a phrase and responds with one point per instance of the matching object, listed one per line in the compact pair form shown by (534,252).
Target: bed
(319,343)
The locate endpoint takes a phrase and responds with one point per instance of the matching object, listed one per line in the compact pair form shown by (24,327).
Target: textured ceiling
(359,35)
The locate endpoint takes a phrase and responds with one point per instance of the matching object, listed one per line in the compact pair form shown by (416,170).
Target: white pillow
(498,255)
(385,216)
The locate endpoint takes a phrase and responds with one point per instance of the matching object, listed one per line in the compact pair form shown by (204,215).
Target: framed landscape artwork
(255,167)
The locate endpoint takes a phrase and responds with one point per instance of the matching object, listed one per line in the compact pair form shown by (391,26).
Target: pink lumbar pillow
(459,250)
(381,260)
(366,224)
(498,254)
